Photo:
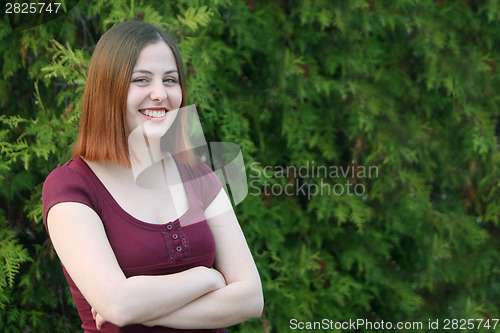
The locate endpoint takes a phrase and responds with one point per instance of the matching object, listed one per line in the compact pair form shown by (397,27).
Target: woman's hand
(99,320)
(219,278)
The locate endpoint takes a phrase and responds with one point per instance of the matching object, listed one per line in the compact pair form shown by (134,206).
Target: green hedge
(369,130)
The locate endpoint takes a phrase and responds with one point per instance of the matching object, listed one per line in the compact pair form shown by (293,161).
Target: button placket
(176,241)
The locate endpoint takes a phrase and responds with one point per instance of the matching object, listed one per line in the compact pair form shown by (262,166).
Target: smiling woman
(155,87)
(142,259)
(113,71)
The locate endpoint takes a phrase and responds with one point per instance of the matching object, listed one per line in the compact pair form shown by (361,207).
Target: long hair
(103,134)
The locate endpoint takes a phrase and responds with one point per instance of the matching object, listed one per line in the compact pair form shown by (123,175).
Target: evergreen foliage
(407,87)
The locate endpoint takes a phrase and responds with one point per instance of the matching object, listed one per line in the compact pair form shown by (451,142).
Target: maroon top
(141,248)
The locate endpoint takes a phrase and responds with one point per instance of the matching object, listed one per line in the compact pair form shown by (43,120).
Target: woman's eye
(170,80)
(139,80)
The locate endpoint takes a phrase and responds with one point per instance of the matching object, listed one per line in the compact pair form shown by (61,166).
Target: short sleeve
(65,184)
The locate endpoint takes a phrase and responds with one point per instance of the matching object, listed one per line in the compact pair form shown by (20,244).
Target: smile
(153,113)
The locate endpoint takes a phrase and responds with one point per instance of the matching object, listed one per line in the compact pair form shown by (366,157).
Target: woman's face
(154,87)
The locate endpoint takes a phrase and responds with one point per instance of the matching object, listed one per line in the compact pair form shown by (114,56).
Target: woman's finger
(99,321)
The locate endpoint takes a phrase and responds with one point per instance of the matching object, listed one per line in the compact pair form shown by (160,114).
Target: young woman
(139,258)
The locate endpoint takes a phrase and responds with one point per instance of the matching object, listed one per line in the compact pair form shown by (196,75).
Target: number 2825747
(32,7)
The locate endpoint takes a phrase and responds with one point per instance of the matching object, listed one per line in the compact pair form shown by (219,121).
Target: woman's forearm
(224,307)
(148,297)
(97,274)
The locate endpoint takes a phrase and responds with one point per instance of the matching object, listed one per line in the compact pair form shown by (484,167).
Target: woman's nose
(158,91)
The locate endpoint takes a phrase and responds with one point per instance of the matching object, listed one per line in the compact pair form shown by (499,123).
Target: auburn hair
(103,134)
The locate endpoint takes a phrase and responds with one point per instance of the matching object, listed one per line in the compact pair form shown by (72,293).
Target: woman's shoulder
(69,182)
(202,179)
(198,173)
(70,172)
(196,168)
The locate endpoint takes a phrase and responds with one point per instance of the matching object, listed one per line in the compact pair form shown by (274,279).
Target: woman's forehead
(156,56)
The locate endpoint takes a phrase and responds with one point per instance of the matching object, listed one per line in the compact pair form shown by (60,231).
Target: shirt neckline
(123,211)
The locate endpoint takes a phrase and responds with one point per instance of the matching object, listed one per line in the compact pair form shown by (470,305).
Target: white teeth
(153,114)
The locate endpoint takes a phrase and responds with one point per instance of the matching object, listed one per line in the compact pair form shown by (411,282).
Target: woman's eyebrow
(145,71)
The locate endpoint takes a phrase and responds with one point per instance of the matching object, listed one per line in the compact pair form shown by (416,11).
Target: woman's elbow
(256,304)
(118,311)
(116,315)
(258,308)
